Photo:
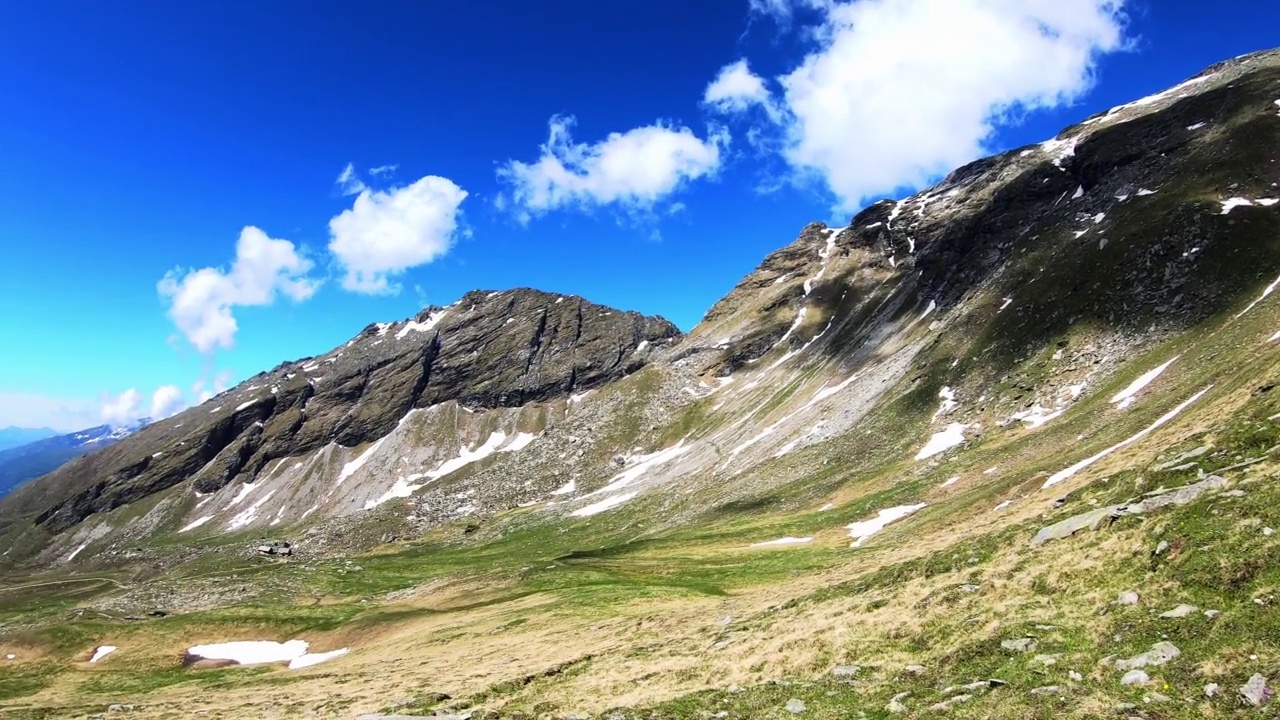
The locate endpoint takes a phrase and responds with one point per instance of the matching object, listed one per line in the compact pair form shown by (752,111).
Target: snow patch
(864,529)
(1068,472)
(76,552)
(948,402)
(643,464)
(1197,126)
(784,541)
(950,481)
(244,405)
(246,516)
(196,523)
(1007,302)
(1037,415)
(415,326)
(1128,396)
(353,466)
(259,652)
(568,488)
(520,442)
(952,436)
(102,651)
(1265,292)
(605,504)
(1079,193)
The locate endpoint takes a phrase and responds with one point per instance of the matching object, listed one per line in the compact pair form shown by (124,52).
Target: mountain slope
(836,490)
(33,459)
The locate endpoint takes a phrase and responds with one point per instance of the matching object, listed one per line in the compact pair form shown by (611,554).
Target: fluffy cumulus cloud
(633,170)
(166,401)
(897,92)
(384,233)
(201,301)
(128,407)
(122,409)
(736,88)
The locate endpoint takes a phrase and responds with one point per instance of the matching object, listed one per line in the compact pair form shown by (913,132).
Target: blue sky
(641,154)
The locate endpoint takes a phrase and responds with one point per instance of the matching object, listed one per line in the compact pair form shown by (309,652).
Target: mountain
(14,436)
(1003,448)
(33,459)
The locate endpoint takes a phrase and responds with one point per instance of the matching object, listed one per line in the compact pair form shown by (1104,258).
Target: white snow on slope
(1265,292)
(950,437)
(350,468)
(1037,415)
(605,504)
(309,659)
(1235,202)
(520,442)
(950,481)
(246,516)
(568,488)
(244,405)
(784,541)
(76,552)
(408,485)
(414,326)
(948,402)
(1143,192)
(258,652)
(1007,302)
(796,443)
(644,463)
(1059,150)
(864,529)
(1128,396)
(196,523)
(102,651)
(245,489)
(1068,472)
(825,393)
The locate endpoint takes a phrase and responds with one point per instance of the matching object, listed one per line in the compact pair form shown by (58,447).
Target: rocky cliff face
(488,350)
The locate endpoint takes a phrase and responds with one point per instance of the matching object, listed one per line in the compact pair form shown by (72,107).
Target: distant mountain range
(11,437)
(48,451)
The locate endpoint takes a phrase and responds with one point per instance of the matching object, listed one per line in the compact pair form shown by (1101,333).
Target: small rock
(794,706)
(1268,531)
(724,621)
(733,689)
(950,702)
(845,670)
(1075,676)
(915,669)
(1156,697)
(1179,612)
(1135,677)
(1046,690)
(971,588)
(1211,614)
(1127,598)
(1159,654)
(895,704)
(1255,692)
(1161,547)
(1212,690)
(722,714)
(1022,644)
(1045,660)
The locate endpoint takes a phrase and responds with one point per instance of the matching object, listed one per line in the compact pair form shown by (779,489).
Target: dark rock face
(487,350)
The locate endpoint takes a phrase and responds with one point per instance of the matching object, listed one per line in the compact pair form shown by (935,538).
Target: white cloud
(121,409)
(221,382)
(634,169)
(736,88)
(61,414)
(166,401)
(349,182)
(200,301)
(898,92)
(385,233)
(383,170)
